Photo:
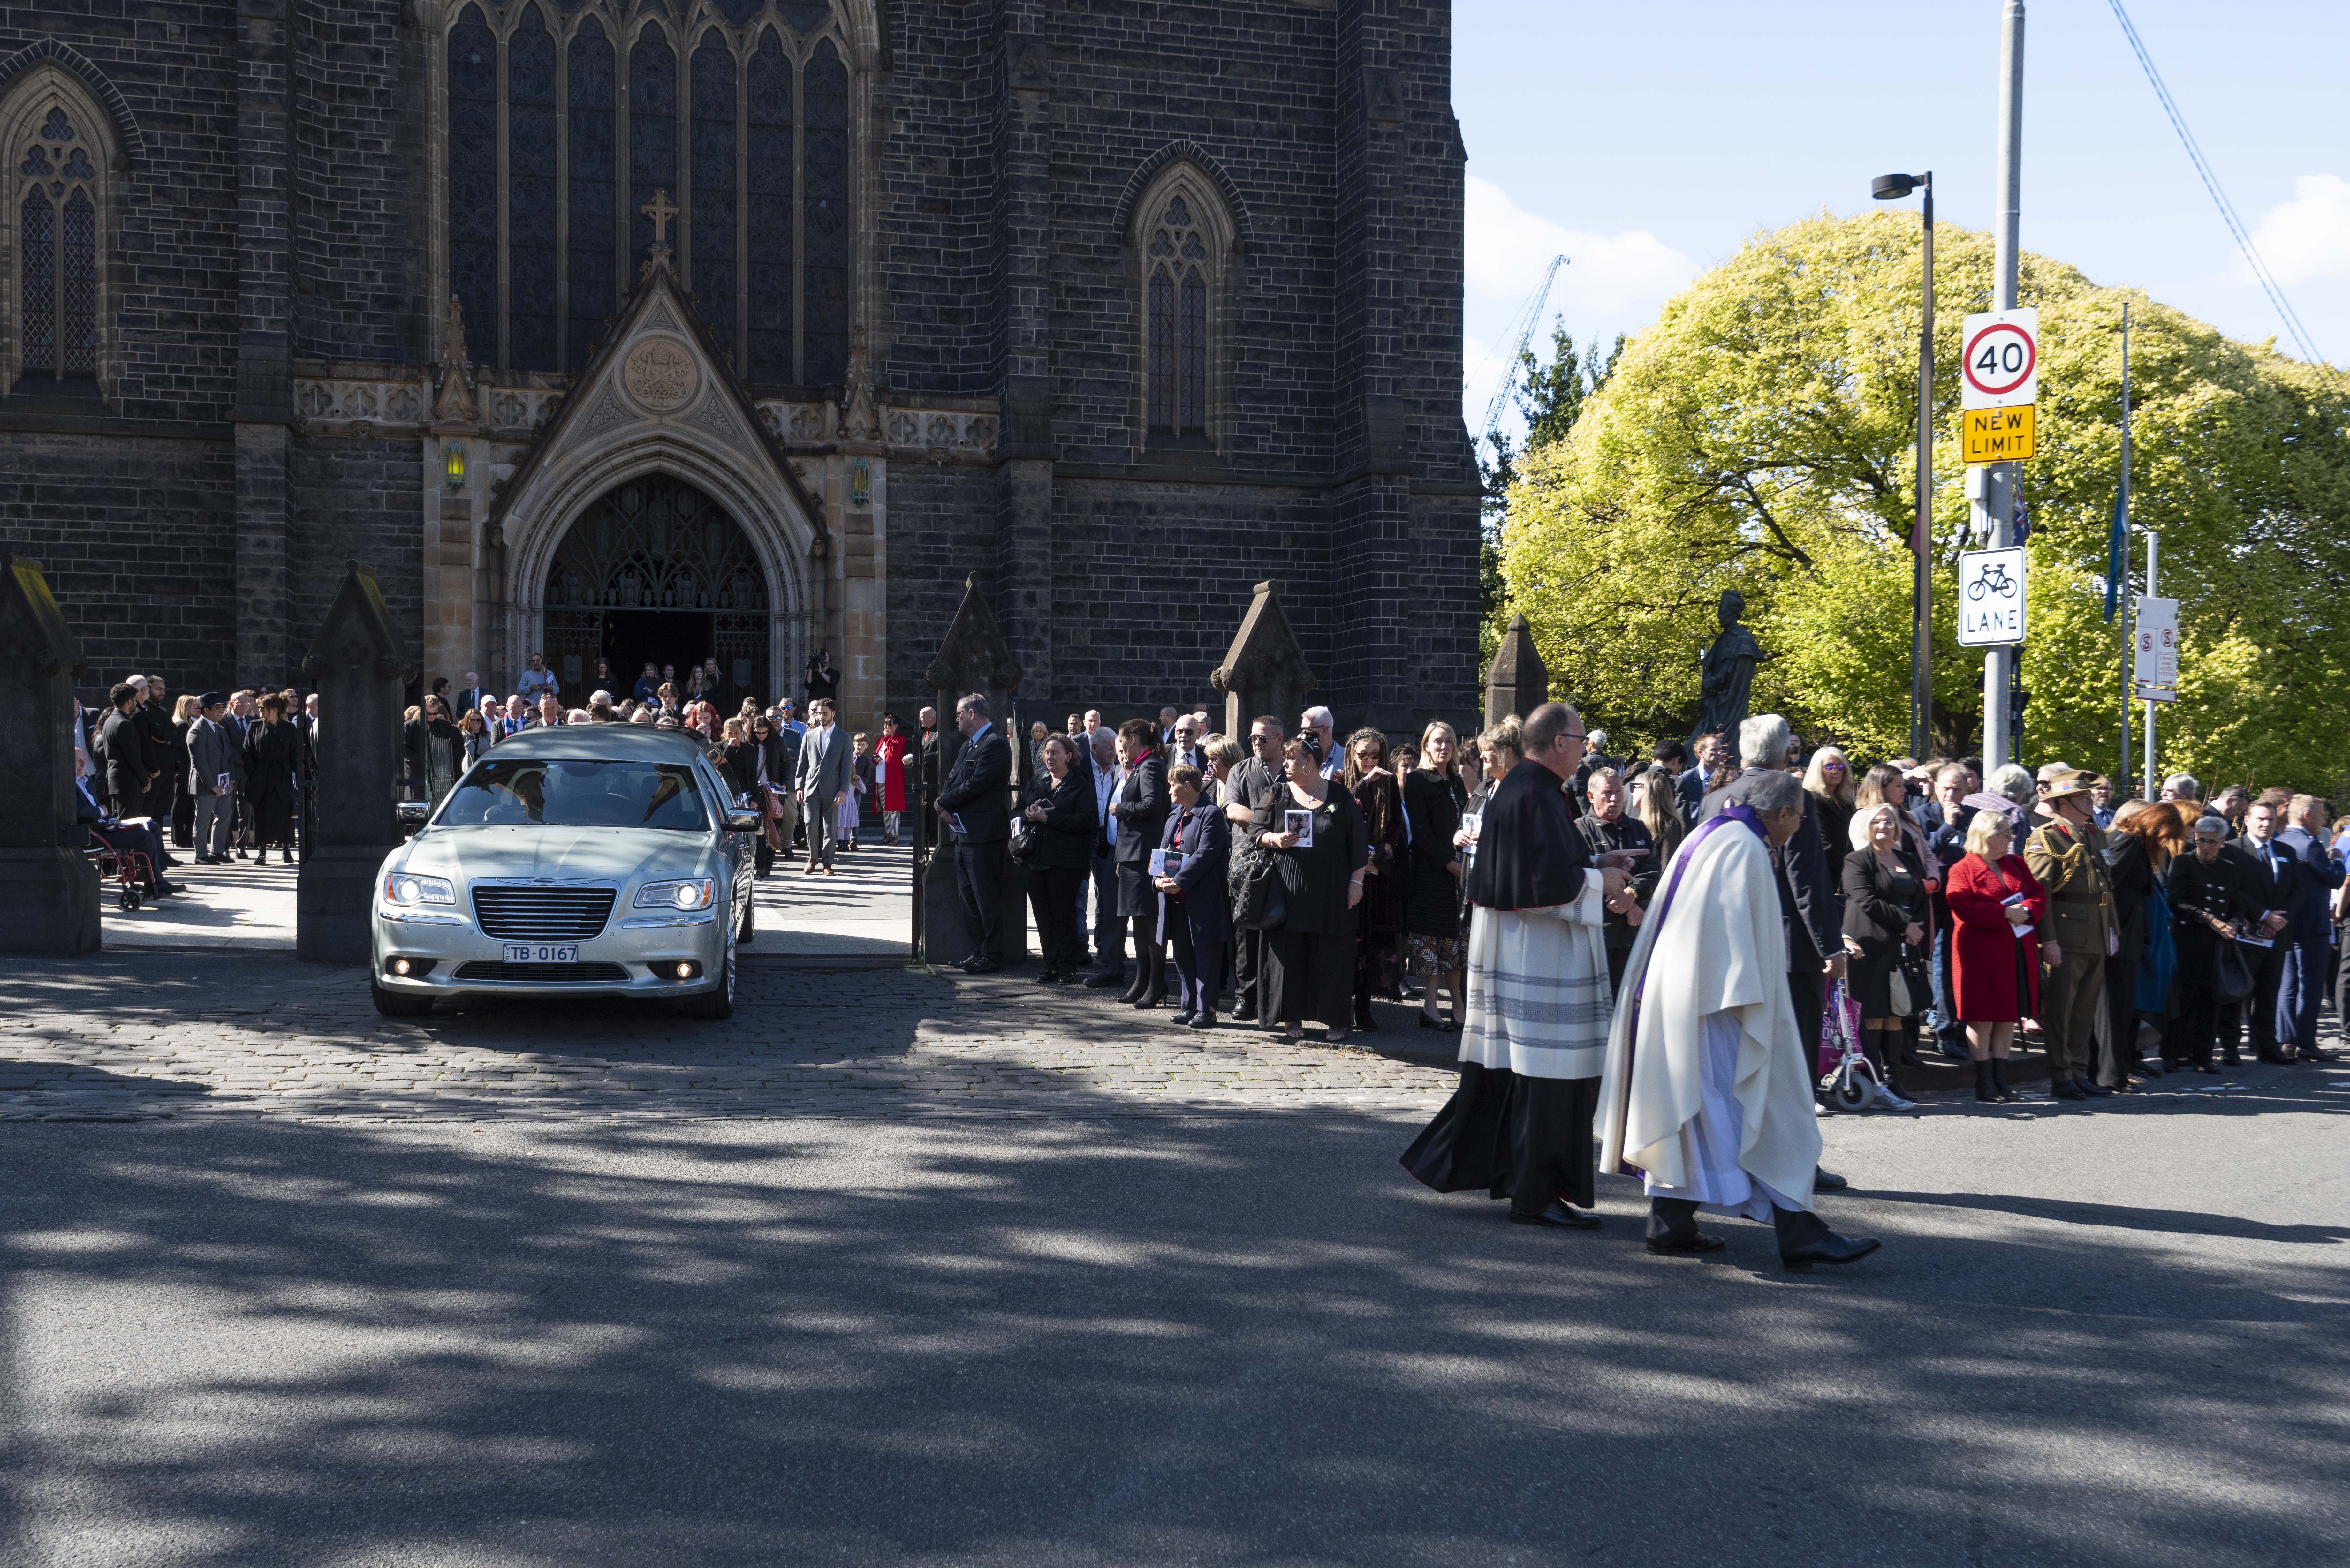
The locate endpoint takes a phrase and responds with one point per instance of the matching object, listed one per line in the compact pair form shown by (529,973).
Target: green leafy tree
(1549,396)
(1760,436)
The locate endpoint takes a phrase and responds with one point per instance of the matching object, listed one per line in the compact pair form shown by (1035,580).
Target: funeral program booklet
(1300,823)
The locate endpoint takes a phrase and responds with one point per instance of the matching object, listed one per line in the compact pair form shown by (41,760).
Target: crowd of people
(219,772)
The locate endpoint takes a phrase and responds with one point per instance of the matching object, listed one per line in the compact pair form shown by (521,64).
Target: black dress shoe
(1103,980)
(1688,1242)
(1827,1247)
(2092,1088)
(1557,1217)
(1243,1015)
(1132,994)
(981,966)
(1203,1019)
(2207,1070)
(2317,1056)
(1150,999)
(2067,1089)
(1825,1180)
(1180,1019)
(1365,1023)
(1049,977)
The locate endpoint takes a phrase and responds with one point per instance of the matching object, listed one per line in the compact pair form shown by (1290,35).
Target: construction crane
(1521,331)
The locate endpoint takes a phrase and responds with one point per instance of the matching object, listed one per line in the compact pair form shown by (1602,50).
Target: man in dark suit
(1141,804)
(1257,784)
(471,697)
(130,762)
(1712,750)
(2308,932)
(973,804)
(2269,874)
(1109,930)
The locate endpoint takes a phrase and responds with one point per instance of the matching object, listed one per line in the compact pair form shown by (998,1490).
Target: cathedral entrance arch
(655,571)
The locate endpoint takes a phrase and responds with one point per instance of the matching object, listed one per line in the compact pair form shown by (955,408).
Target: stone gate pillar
(1516,683)
(48,893)
(973,657)
(1264,671)
(355,669)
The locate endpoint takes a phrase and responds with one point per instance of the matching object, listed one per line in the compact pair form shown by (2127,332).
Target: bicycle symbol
(1993,579)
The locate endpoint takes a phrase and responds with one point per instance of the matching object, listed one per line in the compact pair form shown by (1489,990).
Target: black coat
(1433,804)
(1625,832)
(1878,908)
(1066,837)
(1139,803)
(1314,881)
(130,762)
(2198,891)
(975,788)
(1206,842)
(742,767)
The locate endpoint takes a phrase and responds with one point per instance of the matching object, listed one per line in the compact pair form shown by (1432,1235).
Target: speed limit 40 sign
(2001,368)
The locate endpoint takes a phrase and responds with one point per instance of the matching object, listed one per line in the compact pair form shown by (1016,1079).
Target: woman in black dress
(1379,921)
(1884,929)
(1322,855)
(273,750)
(184,805)
(1433,799)
(1059,808)
(2209,905)
(741,764)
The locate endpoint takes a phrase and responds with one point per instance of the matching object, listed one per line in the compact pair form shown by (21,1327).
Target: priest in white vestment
(1709,1084)
(1539,996)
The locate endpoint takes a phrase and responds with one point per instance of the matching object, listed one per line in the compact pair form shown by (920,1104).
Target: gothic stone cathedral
(671,329)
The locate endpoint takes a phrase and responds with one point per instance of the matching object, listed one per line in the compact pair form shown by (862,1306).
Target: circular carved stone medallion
(660,375)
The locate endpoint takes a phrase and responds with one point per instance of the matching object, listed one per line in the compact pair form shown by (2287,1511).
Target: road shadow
(1247,1341)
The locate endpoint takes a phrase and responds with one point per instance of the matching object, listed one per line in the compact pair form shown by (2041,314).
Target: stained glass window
(712,229)
(652,136)
(1175,321)
(595,288)
(755,144)
(770,170)
(530,195)
(830,233)
(58,246)
(473,178)
(38,232)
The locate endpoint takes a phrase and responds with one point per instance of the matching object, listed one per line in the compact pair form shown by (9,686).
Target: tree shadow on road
(1230,1340)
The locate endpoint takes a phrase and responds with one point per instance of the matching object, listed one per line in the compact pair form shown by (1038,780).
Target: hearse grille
(542,914)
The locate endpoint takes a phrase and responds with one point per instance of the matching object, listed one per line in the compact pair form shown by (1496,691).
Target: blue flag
(2116,552)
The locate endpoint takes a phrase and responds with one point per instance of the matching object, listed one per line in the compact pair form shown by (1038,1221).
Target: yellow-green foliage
(1760,436)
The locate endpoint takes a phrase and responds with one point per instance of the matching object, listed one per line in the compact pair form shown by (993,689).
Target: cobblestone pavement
(139,1036)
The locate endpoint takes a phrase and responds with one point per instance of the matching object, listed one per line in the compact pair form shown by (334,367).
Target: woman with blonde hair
(1653,796)
(1435,794)
(1828,779)
(1884,930)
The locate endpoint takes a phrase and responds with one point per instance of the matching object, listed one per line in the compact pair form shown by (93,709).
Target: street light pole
(1995,519)
(1921,533)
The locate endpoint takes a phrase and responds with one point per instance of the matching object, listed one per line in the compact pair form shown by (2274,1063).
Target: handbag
(1896,991)
(1258,903)
(2232,974)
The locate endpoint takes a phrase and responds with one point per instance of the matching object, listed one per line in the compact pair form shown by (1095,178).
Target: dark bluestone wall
(280,214)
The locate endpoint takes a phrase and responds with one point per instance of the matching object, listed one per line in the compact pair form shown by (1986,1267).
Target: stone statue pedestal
(973,657)
(1264,671)
(356,668)
(48,902)
(48,893)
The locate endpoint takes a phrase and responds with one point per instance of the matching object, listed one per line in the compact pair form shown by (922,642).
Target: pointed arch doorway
(655,571)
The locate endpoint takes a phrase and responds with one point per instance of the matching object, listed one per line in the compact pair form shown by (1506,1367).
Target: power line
(2267,280)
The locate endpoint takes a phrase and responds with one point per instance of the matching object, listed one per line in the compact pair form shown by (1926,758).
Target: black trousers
(2189,1039)
(2268,971)
(1057,893)
(1678,1216)
(1309,975)
(979,883)
(1805,986)
(1248,971)
(1109,926)
(1199,971)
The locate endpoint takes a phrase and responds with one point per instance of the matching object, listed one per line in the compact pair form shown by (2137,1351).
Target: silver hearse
(592,860)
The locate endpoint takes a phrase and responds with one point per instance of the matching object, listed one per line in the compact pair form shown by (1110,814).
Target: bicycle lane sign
(1990,598)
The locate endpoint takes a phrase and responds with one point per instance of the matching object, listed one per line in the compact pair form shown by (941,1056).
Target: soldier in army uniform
(2067,852)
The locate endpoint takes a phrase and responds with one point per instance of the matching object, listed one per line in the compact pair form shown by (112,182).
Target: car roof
(602,743)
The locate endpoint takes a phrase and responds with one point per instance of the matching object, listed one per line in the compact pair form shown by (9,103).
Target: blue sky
(1646,138)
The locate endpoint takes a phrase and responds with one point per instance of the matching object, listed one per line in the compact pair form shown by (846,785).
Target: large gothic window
(1183,239)
(565,116)
(58,162)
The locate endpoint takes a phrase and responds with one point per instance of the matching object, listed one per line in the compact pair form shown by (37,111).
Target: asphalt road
(2091,1338)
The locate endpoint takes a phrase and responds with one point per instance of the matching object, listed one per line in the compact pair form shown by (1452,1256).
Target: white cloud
(1611,283)
(1508,247)
(2308,236)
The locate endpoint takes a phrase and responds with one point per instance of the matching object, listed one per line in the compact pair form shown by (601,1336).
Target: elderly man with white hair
(1323,725)
(1707,1088)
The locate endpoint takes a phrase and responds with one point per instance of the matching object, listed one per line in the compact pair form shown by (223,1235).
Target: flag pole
(2121,528)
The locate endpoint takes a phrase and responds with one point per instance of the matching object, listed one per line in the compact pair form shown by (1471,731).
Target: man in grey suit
(823,783)
(212,753)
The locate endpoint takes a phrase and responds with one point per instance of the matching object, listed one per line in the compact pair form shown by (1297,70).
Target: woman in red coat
(1994,961)
(890,774)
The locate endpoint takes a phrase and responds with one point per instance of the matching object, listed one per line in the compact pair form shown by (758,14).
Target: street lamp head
(1890,187)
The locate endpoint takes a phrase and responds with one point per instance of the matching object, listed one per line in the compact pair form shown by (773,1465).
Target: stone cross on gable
(661,210)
